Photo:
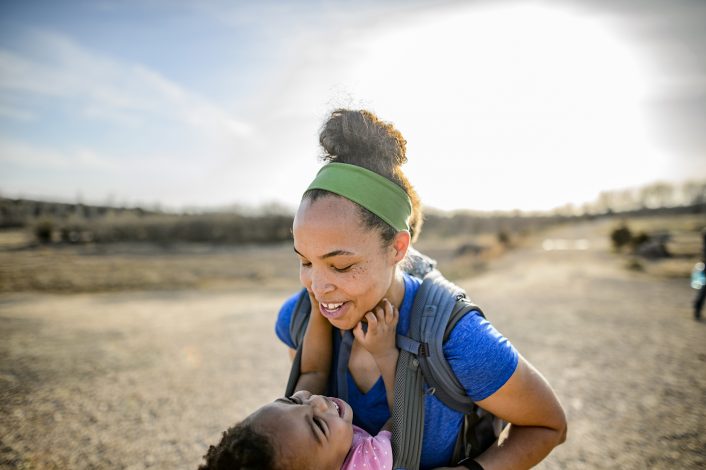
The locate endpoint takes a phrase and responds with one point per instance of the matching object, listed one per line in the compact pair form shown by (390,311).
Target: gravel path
(620,348)
(148,380)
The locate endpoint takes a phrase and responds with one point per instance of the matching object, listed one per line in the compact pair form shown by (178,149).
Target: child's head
(302,431)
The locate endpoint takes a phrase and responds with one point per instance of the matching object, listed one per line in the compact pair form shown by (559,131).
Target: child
(307,431)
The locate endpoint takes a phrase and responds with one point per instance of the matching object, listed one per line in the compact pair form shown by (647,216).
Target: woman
(350,255)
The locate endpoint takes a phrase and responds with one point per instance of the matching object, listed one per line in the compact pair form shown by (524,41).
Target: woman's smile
(334,311)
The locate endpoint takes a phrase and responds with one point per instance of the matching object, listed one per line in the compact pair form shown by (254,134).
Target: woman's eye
(305,264)
(343,270)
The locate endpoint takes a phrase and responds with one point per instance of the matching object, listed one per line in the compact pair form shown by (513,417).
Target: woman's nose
(320,284)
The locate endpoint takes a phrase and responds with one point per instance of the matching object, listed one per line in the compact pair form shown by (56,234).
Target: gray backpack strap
(408,407)
(433,305)
(297,328)
(442,301)
(437,308)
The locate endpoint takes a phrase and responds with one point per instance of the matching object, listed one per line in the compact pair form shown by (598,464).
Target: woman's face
(310,431)
(343,263)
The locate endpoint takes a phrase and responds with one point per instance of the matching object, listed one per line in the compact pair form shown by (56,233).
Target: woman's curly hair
(359,137)
(241,448)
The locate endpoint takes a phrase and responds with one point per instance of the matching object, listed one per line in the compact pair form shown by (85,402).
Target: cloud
(105,88)
(22,154)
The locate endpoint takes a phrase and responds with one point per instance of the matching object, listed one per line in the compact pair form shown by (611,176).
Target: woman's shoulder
(482,358)
(284,318)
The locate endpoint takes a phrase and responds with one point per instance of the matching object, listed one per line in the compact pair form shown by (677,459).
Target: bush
(621,236)
(639,239)
(43,230)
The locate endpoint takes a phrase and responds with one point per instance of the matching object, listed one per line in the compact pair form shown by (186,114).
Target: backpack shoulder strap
(297,328)
(437,323)
(437,372)
(438,306)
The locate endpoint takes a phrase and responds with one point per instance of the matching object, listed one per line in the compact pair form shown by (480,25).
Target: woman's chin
(344,323)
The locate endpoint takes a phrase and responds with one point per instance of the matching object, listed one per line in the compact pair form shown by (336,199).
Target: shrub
(43,230)
(639,239)
(621,236)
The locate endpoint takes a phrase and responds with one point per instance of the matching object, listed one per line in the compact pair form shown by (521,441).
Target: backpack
(437,308)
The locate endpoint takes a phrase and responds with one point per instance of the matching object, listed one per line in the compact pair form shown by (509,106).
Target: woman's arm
(317,350)
(538,420)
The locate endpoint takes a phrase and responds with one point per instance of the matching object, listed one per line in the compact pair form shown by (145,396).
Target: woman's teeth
(332,310)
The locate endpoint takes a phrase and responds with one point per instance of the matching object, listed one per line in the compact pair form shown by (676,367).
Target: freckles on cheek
(358,271)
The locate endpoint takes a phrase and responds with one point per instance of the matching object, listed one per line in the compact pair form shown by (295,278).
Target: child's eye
(295,400)
(319,422)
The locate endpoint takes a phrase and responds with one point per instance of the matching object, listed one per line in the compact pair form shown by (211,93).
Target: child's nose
(319,403)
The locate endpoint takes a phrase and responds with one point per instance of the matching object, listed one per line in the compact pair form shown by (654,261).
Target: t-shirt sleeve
(370,453)
(284,317)
(481,357)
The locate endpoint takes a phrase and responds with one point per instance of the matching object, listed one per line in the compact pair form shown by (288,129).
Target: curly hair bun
(358,137)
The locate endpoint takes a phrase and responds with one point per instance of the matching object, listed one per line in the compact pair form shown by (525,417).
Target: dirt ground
(134,380)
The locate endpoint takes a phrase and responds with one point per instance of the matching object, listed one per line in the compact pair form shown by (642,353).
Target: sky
(504,104)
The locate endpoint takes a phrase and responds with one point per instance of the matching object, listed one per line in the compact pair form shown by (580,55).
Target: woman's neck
(395,294)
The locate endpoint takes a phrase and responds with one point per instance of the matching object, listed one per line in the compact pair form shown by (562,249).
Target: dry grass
(118,267)
(90,267)
(65,268)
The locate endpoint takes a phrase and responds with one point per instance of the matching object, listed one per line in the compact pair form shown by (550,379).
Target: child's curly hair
(241,448)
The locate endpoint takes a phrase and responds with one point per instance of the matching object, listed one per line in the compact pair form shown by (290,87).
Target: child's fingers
(380,314)
(394,315)
(312,299)
(388,311)
(372,321)
(358,332)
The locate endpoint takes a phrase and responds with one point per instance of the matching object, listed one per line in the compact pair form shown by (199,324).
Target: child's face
(311,430)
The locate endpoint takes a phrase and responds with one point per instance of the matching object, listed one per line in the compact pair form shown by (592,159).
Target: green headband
(376,193)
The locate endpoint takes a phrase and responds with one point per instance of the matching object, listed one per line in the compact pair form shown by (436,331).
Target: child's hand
(316,315)
(314,302)
(379,340)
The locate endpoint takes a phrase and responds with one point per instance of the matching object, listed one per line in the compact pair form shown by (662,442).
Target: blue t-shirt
(482,359)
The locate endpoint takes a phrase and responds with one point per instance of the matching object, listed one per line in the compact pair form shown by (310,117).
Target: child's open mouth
(339,406)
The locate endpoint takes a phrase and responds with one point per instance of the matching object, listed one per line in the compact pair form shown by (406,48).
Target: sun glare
(525,97)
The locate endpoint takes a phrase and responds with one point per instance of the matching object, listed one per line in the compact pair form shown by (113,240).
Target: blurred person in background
(698,279)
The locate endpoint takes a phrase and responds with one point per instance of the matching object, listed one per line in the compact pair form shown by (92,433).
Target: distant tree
(656,195)
(694,192)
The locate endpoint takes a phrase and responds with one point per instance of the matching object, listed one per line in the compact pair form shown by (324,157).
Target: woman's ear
(400,244)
